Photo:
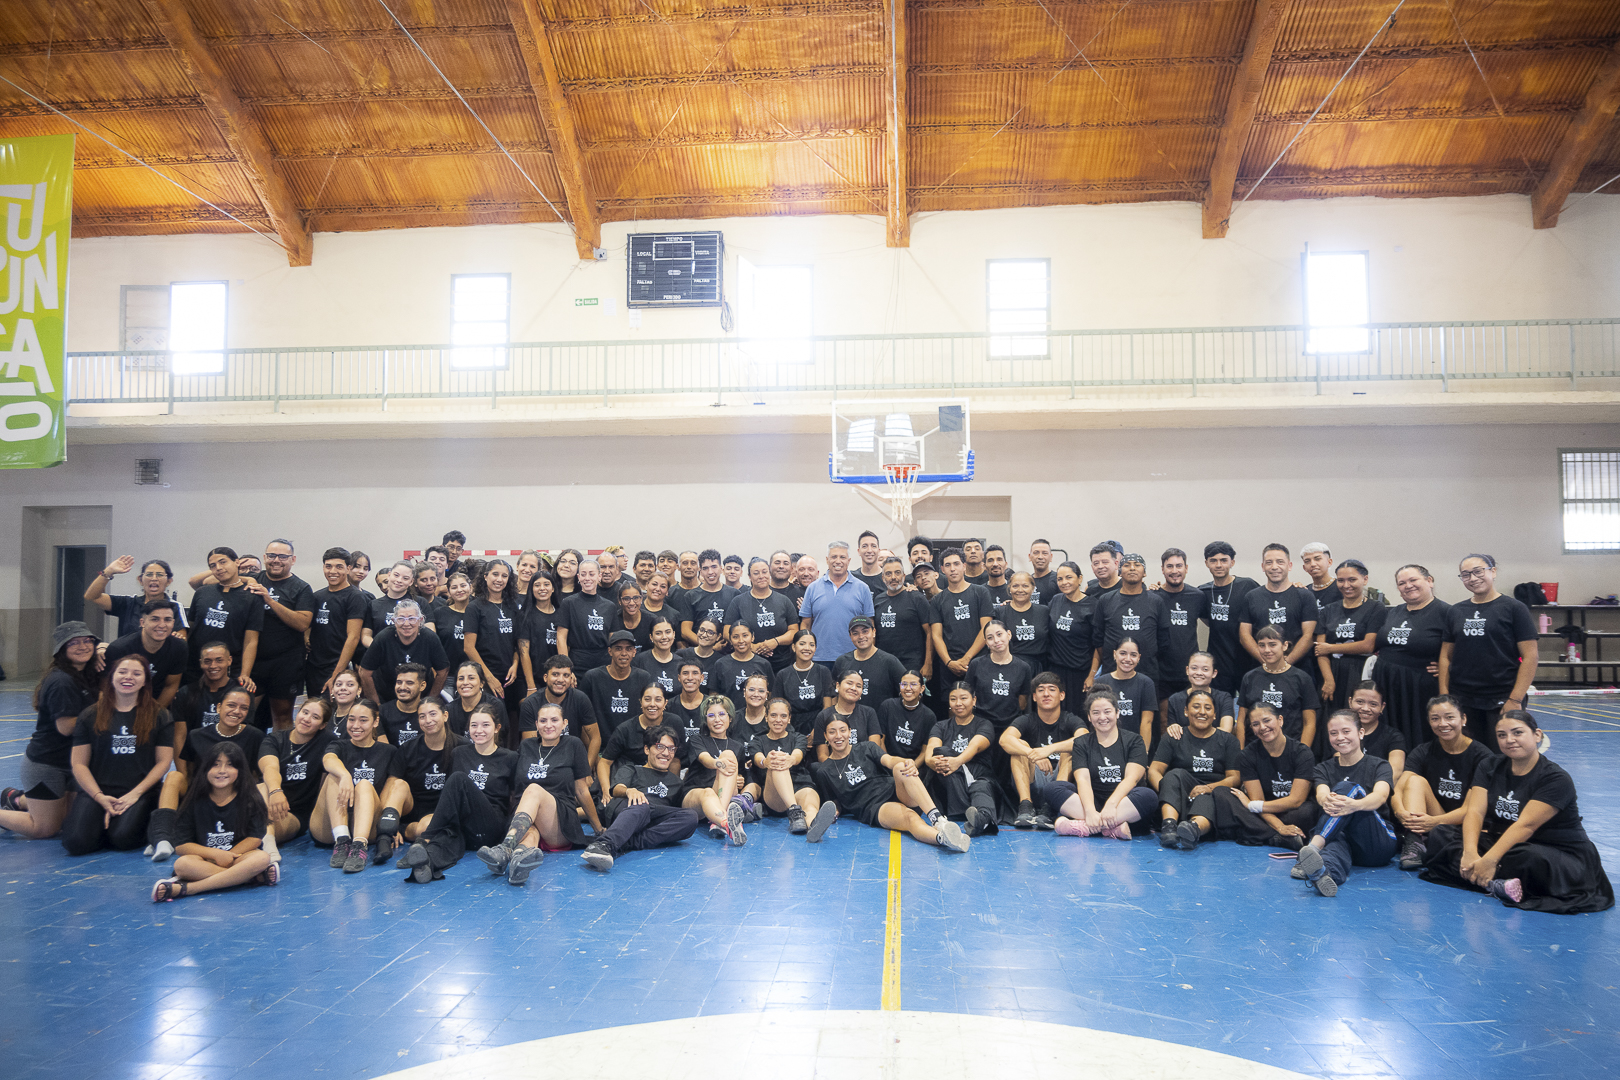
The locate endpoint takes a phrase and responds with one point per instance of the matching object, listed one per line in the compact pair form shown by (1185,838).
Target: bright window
(773,306)
(1591,491)
(1336,309)
(1019,302)
(197,327)
(480,306)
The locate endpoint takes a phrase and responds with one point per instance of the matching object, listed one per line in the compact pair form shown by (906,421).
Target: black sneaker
(9,797)
(384,850)
(1413,852)
(824,819)
(358,859)
(524,860)
(974,819)
(599,854)
(1026,816)
(497,858)
(340,852)
(736,814)
(1167,833)
(1044,822)
(1187,836)
(798,824)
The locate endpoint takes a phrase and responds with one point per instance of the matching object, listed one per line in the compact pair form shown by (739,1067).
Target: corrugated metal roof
(695,108)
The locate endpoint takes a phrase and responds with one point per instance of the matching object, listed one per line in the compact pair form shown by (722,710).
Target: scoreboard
(674,270)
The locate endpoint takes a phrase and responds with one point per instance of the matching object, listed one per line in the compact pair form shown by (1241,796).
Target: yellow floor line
(891,935)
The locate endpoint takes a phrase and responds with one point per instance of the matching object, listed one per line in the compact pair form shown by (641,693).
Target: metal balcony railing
(1059,363)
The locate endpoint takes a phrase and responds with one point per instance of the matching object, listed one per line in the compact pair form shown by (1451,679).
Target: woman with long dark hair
(68,687)
(1346,634)
(492,633)
(122,746)
(220,831)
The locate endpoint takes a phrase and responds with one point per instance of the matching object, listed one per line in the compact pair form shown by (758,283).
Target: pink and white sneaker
(1071,827)
(1122,831)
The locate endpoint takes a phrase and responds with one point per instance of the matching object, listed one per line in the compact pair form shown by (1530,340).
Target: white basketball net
(902,489)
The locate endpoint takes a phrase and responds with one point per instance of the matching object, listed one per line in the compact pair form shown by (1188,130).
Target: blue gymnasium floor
(360,976)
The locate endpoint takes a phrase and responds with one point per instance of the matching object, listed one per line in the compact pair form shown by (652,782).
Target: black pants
(463,817)
(645,826)
(83,833)
(1173,789)
(960,794)
(1234,822)
(1480,724)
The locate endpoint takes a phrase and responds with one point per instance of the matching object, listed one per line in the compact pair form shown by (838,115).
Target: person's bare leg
(326,812)
(895,816)
(911,791)
(174,788)
(365,810)
(40,821)
(779,791)
(201,876)
(1020,775)
(809,801)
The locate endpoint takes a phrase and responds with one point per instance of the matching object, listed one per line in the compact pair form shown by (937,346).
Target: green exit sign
(585,301)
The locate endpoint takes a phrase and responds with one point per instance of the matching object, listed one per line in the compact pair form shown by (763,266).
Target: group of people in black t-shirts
(503,707)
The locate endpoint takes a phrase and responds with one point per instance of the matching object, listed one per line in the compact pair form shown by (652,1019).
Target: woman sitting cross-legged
(1351,788)
(1107,796)
(778,759)
(554,774)
(473,808)
(1188,773)
(1521,837)
(220,829)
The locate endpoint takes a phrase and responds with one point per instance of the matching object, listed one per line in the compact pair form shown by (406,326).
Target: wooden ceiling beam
(534,42)
(1242,102)
(237,127)
(1586,131)
(897,219)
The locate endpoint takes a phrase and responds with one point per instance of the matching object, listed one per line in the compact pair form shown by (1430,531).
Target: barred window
(1591,492)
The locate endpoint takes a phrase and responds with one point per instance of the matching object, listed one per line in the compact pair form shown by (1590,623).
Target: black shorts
(280,678)
(866,811)
(315,677)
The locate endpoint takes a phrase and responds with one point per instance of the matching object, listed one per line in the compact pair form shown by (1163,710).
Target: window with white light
(1019,306)
(197,327)
(1336,306)
(1591,496)
(480,314)
(773,308)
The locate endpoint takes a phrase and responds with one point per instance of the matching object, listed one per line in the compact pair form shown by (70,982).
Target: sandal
(9,797)
(168,889)
(271,875)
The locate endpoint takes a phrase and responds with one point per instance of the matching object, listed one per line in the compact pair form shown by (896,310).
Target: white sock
(340,832)
(270,847)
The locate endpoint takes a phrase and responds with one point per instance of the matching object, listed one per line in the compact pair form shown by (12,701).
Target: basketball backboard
(934,433)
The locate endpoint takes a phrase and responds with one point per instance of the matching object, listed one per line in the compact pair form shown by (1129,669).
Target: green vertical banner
(36,197)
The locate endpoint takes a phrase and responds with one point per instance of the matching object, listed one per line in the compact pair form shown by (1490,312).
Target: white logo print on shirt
(1127,707)
(1281,787)
(1219,610)
(1278,614)
(1202,762)
(960,611)
(364,772)
(659,789)
(1474,626)
(620,703)
(764,618)
(221,838)
(1109,773)
(854,775)
(297,769)
(1345,631)
(1130,620)
(1398,635)
(321,616)
(1507,807)
(503,625)
(1065,621)
(1000,687)
(903,733)
(434,780)
(1450,787)
(216,616)
(551,634)
(479,776)
(593,620)
(807,690)
(959,745)
(886,618)
(665,683)
(1023,631)
(1272,696)
(123,742)
(1178,615)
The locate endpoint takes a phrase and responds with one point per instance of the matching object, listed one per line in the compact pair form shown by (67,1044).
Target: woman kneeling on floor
(1351,787)
(219,831)
(474,807)
(1521,811)
(557,772)
(1107,797)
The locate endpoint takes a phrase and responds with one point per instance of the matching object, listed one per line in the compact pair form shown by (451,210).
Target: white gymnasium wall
(1385,495)
(1112,266)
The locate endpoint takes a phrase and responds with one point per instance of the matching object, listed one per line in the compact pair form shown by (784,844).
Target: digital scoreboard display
(674,270)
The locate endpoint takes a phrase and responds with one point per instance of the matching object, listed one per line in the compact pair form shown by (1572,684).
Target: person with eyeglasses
(703,653)
(403,643)
(289,609)
(645,805)
(155,579)
(1489,652)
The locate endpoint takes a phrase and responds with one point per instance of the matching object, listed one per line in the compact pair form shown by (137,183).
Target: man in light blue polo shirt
(831,601)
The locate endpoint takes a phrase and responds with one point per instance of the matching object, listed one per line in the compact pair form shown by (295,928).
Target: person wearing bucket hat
(68,687)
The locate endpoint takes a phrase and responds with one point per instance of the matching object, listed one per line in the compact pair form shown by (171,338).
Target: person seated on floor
(624,742)
(1189,773)
(756,694)
(69,685)
(957,751)
(357,768)
(220,829)
(122,746)
(1352,787)
(645,807)
(1378,738)
(1521,837)
(290,762)
(784,781)
(1106,796)
(425,765)
(714,773)
(1038,747)
(231,726)
(1434,787)
(1275,806)
(475,805)
(554,775)
(861,719)
(859,780)
(905,721)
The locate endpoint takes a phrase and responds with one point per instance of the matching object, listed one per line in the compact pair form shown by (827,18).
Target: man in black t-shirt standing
(904,620)
(228,613)
(339,618)
(1292,611)
(289,608)
(870,571)
(1226,594)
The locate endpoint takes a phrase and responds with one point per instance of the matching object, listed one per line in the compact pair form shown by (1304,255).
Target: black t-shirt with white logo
(127,610)
(955,738)
(451,626)
(661,788)
(211,825)
(709,605)
(400,726)
(704,662)
(699,775)
(1182,613)
(200,744)
(1291,693)
(1031,632)
(863,724)
(959,616)
(1037,732)
(768,618)
(496,627)
(1285,611)
(300,764)
(905,731)
(805,692)
(292,592)
(218,615)
(460,717)
(665,674)
(589,621)
(1484,642)
(1450,775)
(1347,626)
(730,674)
(425,770)
(1365,773)
(494,774)
(1138,616)
(856,782)
(1226,608)
(380,611)
(997,688)
(329,628)
(539,629)
(1136,696)
(1045,586)
(1070,643)
(1412,639)
(577,709)
(1209,758)
(169,658)
(118,760)
(1507,795)
(1105,765)
(880,674)
(612,701)
(375,764)
(1175,707)
(387,652)
(555,768)
(1383,741)
(1276,775)
(196,706)
(902,623)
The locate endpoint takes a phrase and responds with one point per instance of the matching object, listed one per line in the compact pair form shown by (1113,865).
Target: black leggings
(83,833)
(464,816)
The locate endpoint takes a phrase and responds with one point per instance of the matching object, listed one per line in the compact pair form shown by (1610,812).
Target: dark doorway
(76,565)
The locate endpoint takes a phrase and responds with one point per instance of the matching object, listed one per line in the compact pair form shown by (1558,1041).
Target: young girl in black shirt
(220,830)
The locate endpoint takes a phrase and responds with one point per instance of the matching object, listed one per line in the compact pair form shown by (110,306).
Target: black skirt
(1563,880)
(1406,691)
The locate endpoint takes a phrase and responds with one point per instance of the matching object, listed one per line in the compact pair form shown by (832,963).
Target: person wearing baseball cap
(615,688)
(68,687)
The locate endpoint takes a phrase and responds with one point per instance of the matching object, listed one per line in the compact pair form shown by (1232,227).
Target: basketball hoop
(902,488)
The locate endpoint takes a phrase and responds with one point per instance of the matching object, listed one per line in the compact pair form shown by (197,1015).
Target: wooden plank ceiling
(303,116)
